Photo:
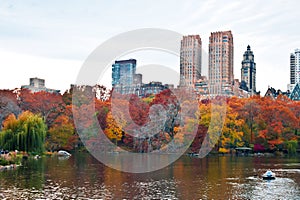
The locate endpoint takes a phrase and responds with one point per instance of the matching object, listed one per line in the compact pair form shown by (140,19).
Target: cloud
(67,32)
(18,68)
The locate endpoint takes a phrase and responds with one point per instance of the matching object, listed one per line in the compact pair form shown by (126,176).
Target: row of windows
(218,49)
(218,60)
(218,39)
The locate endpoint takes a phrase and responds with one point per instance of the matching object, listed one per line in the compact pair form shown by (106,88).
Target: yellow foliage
(179,138)
(223,150)
(114,129)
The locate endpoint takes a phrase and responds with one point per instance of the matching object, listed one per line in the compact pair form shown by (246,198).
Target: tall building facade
(123,72)
(294,69)
(126,81)
(248,71)
(190,60)
(294,86)
(220,68)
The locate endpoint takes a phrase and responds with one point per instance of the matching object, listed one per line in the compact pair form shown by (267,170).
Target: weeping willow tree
(27,133)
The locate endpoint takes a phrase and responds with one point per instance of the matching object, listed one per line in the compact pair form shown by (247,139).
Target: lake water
(83,177)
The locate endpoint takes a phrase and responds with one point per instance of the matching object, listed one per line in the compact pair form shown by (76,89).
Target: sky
(52,39)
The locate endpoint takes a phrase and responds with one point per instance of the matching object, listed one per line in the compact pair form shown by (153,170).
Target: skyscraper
(248,71)
(190,60)
(294,69)
(220,68)
(123,72)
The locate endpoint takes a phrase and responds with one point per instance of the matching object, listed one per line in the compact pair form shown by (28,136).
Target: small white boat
(63,153)
(269,175)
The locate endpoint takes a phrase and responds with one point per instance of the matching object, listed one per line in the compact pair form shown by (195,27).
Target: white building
(294,69)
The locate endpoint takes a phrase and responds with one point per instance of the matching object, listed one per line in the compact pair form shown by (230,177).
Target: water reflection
(81,176)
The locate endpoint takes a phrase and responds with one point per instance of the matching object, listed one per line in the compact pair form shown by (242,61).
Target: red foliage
(49,105)
(138,110)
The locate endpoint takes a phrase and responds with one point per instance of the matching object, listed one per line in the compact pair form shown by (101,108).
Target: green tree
(27,133)
(292,146)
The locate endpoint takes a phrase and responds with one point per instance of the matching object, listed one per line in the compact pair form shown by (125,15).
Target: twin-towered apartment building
(220,80)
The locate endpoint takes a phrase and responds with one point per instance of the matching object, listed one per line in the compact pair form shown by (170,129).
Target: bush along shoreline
(10,160)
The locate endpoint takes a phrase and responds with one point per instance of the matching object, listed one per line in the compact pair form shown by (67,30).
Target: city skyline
(39,40)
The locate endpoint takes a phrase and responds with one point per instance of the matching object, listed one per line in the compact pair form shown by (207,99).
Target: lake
(83,177)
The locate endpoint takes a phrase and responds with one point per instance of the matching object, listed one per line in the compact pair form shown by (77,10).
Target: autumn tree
(114,128)
(139,110)
(49,105)
(102,108)
(171,105)
(8,104)
(249,112)
(232,133)
(276,123)
(61,134)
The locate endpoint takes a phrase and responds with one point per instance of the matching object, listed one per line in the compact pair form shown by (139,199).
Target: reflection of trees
(79,169)
(30,175)
(211,177)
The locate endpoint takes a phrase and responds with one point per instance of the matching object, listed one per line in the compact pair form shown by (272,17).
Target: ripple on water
(56,191)
(287,170)
(280,188)
(159,189)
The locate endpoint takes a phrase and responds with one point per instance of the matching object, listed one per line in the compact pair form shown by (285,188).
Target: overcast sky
(52,39)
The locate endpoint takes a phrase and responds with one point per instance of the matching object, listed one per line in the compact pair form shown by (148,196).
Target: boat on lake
(269,175)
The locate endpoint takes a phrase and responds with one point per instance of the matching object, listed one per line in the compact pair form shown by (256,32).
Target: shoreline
(8,167)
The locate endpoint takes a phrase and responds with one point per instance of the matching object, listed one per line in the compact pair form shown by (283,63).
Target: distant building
(124,77)
(273,93)
(169,86)
(238,91)
(153,87)
(123,72)
(38,85)
(201,87)
(295,94)
(137,79)
(248,72)
(294,69)
(126,81)
(190,60)
(220,68)
(37,82)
